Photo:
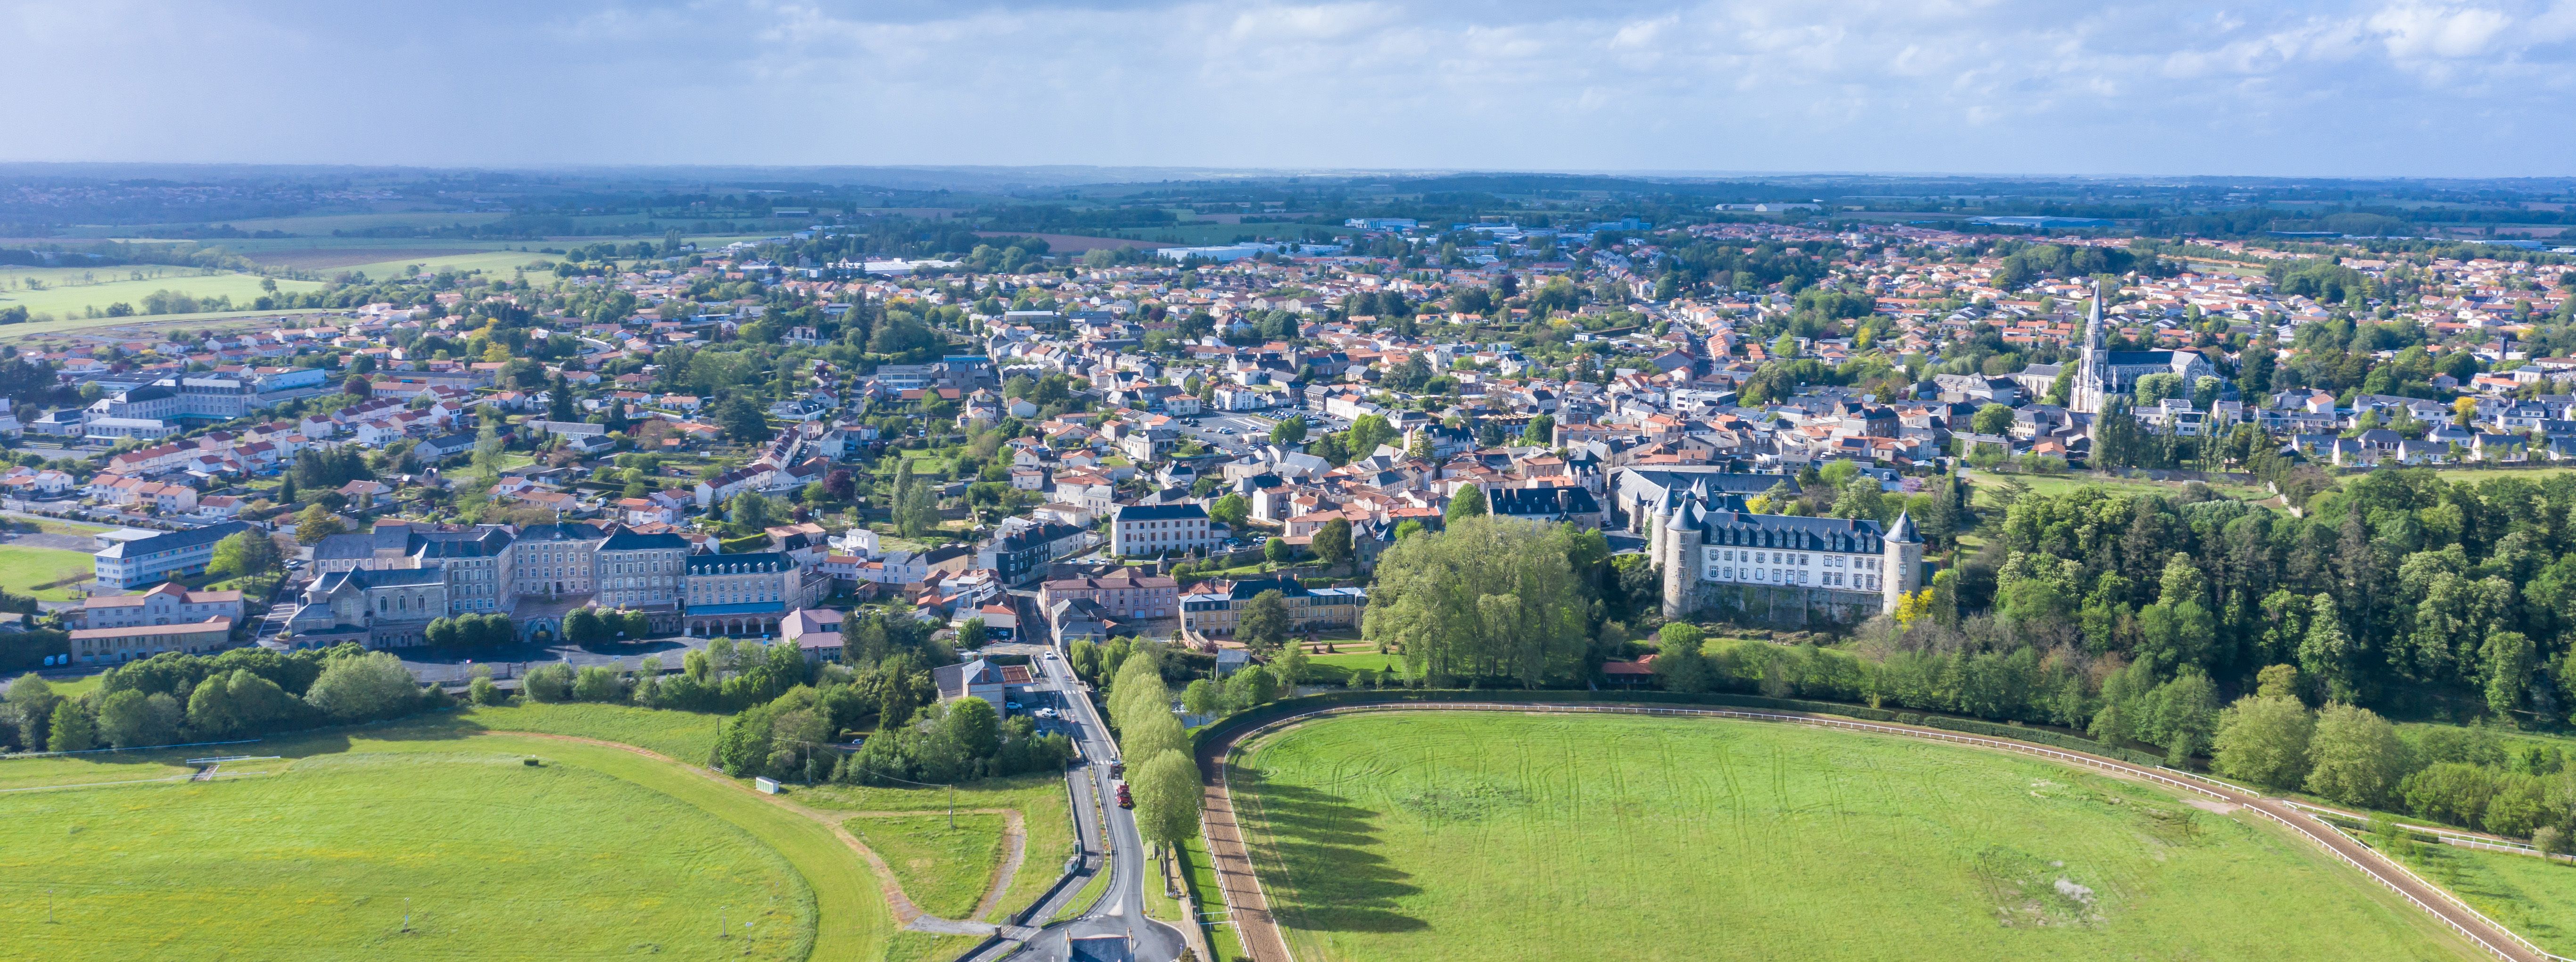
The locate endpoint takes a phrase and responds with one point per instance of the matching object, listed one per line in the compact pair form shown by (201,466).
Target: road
(1121,910)
(1262,938)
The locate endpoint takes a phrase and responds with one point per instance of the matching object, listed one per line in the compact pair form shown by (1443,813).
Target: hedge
(1231,725)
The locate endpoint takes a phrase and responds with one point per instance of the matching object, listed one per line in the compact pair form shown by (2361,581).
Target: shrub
(365,687)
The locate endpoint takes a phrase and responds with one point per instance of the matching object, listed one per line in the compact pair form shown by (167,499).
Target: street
(1121,909)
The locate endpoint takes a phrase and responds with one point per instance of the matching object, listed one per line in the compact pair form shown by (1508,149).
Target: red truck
(1123,800)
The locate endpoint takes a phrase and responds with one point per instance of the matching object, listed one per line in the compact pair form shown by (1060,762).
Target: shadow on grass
(1337,882)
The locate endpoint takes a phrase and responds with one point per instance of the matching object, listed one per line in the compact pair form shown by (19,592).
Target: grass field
(2056,484)
(1389,837)
(496,858)
(1201,873)
(66,299)
(613,852)
(2534,897)
(23,568)
(689,737)
(945,870)
(1040,800)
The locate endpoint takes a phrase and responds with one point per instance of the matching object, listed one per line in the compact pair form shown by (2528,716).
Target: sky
(2113,87)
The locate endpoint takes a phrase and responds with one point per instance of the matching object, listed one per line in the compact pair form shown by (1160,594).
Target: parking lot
(1248,430)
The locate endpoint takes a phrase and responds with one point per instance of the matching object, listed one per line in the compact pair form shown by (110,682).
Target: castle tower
(1903,549)
(1681,559)
(2092,370)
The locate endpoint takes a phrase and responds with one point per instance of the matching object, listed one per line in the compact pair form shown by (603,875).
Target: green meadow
(1404,836)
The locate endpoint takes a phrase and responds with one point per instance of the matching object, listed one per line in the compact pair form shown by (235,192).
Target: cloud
(2371,87)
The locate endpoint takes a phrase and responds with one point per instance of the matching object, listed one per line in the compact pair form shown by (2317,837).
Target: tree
(1680,664)
(1992,419)
(637,625)
(243,553)
(1366,433)
(1540,431)
(1289,433)
(1231,511)
(1489,597)
(132,719)
(315,523)
(742,420)
(973,726)
(1166,792)
(1151,731)
(916,510)
(970,634)
(1333,541)
(440,633)
(1203,697)
(241,703)
(1469,502)
(581,626)
(1277,550)
(559,400)
(2354,756)
(1264,625)
(364,687)
(2154,388)
(2264,739)
(71,729)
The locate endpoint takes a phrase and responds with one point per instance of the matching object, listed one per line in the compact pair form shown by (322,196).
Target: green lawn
(1403,836)
(616,852)
(1040,800)
(689,737)
(46,573)
(2534,897)
(2056,484)
(945,867)
(1201,873)
(495,858)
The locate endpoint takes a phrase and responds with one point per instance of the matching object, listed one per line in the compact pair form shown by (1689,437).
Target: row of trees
(1161,778)
(178,698)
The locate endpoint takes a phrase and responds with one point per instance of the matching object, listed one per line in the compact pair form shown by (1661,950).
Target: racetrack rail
(1259,932)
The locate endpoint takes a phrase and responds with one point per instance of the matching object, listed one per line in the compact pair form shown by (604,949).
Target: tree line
(176,698)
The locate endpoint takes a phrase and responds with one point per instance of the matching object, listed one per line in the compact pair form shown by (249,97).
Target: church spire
(2092,379)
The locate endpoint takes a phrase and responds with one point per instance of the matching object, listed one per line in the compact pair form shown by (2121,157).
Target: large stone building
(2100,372)
(161,557)
(1720,559)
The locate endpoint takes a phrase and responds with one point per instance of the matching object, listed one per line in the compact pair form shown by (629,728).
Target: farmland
(69,292)
(598,851)
(1397,836)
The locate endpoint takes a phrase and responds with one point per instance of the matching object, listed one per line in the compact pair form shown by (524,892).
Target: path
(1263,938)
(906,914)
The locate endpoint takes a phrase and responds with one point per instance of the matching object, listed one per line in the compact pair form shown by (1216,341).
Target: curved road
(1261,935)
(1121,910)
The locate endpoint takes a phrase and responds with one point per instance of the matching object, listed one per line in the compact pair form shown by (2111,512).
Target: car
(1046,713)
(1011,706)
(1118,769)
(1123,800)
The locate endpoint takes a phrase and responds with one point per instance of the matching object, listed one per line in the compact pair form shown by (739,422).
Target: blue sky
(1979,86)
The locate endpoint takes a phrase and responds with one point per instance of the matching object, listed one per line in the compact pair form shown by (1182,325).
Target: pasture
(69,292)
(1402,836)
(2534,897)
(48,574)
(945,869)
(600,851)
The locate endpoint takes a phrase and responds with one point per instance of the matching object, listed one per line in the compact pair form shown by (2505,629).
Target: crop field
(46,573)
(65,296)
(1403,836)
(598,852)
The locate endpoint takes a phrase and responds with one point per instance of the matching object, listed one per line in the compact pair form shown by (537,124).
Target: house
(1549,505)
(168,604)
(980,679)
(1214,607)
(1159,528)
(816,632)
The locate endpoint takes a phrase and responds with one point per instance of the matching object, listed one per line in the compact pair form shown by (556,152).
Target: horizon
(2361,90)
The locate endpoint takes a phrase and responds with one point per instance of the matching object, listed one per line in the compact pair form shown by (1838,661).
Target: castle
(1720,558)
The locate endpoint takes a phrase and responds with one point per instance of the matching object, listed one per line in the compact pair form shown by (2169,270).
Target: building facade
(1720,559)
(1215,607)
(1152,529)
(161,557)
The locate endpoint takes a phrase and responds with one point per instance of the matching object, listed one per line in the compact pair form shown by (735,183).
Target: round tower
(1903,549)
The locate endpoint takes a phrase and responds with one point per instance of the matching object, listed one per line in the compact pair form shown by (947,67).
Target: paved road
(1121,910)
(1262,938)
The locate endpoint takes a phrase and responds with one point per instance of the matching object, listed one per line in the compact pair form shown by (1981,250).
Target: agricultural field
(46,573)
(67,295)
(598,851)
(1401,836)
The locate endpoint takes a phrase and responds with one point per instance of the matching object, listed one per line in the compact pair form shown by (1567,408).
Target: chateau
(1719,558)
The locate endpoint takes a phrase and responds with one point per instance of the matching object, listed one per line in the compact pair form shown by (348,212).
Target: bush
(364,688)
(547,683)
(599,683)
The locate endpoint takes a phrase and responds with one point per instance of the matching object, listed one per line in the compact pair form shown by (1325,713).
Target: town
(929,501)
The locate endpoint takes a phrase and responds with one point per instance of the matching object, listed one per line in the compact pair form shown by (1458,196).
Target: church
(2100,373)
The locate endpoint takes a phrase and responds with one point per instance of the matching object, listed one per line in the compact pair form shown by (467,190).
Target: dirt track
(1261,936)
